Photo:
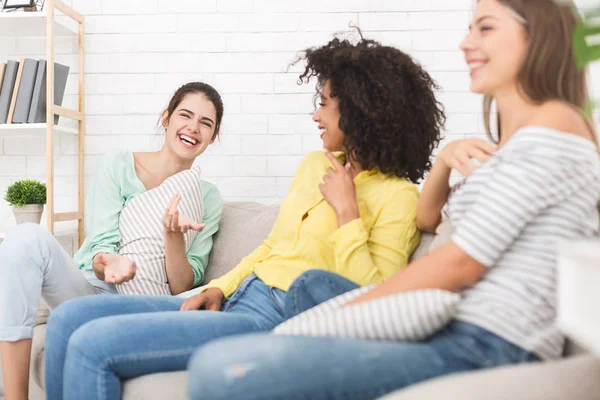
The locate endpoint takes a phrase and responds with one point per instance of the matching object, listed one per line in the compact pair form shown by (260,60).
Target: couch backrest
(244,226)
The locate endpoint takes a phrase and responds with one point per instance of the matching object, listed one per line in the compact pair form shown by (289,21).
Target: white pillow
(407,316)
(141,229)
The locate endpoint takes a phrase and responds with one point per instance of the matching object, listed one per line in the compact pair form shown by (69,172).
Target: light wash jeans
(32,265)
(93,343)
(265,366)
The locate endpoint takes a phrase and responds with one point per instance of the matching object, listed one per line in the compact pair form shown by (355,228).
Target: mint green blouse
(115,184)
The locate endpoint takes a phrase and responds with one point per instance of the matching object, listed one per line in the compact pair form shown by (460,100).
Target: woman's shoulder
(211,196)
(395,188)
(315,163)
(318,157)
(209,190)
(562,117)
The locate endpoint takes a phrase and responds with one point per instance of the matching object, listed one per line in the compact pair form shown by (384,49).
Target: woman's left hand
(173,221)
(338,189)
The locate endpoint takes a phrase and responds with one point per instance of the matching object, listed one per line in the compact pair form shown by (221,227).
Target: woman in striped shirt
(539,184)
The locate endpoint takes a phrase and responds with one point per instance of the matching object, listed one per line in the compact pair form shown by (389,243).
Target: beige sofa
(244,226)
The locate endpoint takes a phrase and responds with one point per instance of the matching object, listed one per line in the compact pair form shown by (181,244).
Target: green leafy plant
(586,44)
(25,192)
(586,38)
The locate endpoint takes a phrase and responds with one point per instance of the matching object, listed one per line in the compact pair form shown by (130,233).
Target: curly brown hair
(388,112)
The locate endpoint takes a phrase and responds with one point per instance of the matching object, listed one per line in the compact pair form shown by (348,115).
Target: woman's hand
(459,155)
(339,191)
(117,269)
(211,299)
(173,221)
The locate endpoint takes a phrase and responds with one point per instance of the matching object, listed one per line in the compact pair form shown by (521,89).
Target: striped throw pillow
(408,316)
(141,229)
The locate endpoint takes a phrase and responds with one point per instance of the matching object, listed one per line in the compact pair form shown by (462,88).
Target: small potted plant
(27,197)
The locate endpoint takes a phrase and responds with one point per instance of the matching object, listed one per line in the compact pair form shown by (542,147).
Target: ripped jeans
(94,342)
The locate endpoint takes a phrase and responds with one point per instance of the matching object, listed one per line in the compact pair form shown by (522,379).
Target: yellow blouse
(306,235)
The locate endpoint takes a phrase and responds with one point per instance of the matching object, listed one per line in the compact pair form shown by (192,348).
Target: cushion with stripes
(407,316)
(142,235)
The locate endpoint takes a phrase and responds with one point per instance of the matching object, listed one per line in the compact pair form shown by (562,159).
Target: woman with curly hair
(352,213)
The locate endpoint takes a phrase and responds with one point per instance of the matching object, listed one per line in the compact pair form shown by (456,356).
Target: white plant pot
(28,213)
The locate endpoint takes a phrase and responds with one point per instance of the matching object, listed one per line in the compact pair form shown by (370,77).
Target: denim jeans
(93,343)
(265,366)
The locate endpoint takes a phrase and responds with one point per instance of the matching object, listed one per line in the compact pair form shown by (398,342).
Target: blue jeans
(265,366)
(94,342)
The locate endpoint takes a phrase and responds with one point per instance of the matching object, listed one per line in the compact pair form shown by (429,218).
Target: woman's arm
(103,206)
(456,155)
(448,268)
(179,271)
(433,197)
(180,275)
(199,251)
(185,270)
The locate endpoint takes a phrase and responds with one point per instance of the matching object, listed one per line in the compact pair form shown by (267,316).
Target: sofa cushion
(574,378)
(443,234)
(166,385)
(423,247)
(244,226)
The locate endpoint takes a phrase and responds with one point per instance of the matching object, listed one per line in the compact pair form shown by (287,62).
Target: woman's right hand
(459,154)
(211,299)
(117,269)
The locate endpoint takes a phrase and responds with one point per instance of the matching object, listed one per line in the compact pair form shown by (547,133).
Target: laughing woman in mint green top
(115,184)
(33,264)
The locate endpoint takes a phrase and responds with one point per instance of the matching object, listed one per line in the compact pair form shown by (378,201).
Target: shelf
(30,24)
(28,130)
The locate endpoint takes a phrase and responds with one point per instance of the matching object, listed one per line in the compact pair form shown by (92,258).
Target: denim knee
(313,288)
(217,365)
(309,280)
(67,318)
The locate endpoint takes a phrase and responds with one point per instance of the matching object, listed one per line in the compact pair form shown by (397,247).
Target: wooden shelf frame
(48,15)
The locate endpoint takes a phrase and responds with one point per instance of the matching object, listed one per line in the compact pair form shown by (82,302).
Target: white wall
(139,52)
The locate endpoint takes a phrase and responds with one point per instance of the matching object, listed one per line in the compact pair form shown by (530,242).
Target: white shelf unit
(45,24)
(34,130)
(31,24)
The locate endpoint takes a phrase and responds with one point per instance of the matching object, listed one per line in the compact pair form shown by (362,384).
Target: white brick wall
(140,51)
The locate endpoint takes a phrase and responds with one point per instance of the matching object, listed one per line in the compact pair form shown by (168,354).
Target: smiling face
(495,47)
(191,126)
(328,118)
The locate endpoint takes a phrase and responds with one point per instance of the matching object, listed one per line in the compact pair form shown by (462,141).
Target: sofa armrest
(573,378)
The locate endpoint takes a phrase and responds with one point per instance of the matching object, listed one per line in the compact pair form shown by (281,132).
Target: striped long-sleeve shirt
(541,187)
